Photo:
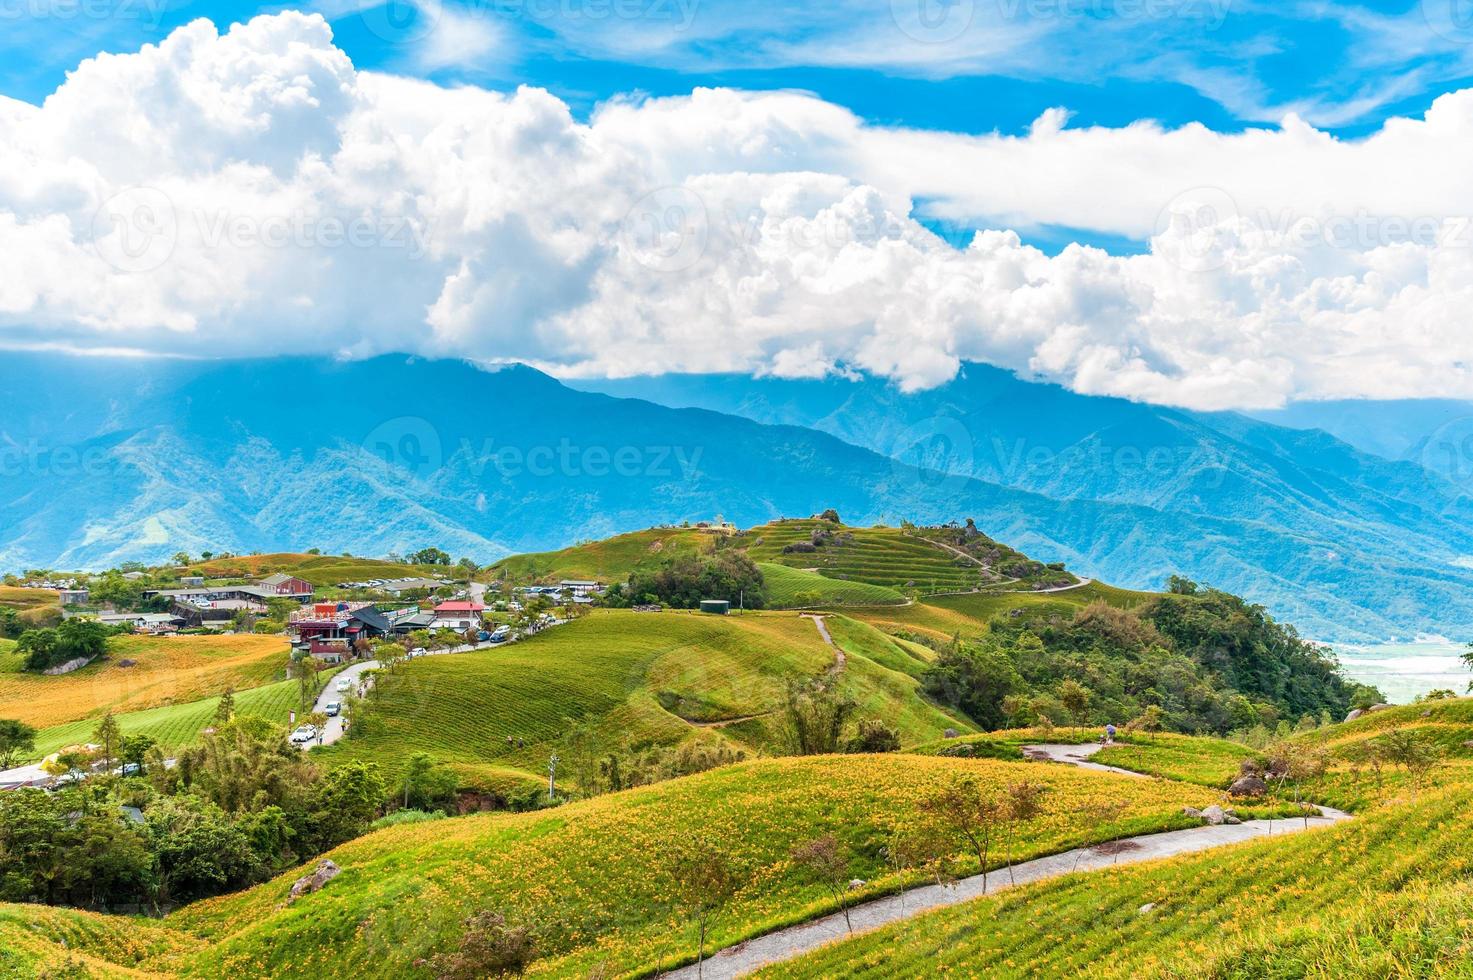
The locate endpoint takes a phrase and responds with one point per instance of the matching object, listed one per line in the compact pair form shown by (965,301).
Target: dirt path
(823,631)
(785,944)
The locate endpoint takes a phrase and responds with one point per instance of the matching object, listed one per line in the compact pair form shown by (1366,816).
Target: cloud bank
(251,193)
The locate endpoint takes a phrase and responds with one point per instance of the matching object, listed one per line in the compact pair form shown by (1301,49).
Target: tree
(344,802)
(1152,720)
(816,713)
(106,736)
(16,740)
(974,680)
(1415,753)
(304,668)
(1075,698)
(1021,804)
(970,813)
(134,750)
(427,785)
(490,948)
(1293,760)
(874,736)
(825,860)
(225,708)
(702,881)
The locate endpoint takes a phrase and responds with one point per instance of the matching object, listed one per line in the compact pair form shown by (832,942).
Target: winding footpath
(785,944)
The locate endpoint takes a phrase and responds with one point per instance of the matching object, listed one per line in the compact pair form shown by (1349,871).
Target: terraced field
(878,556)
(944,615)
(166,670)
(643,678)
(607,561)
(790,588)
(589,876)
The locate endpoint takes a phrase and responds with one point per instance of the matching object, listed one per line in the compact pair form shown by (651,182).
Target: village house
(459,616)
(288,586)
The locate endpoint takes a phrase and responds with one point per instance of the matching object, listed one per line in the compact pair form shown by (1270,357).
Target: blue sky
(968,66)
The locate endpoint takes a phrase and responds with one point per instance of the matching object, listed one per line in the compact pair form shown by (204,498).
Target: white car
(304,733)
(343,685)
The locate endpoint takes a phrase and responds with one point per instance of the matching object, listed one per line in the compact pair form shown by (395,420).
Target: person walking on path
(1109,738)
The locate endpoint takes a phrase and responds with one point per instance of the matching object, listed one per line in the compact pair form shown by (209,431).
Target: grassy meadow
(610,560)
(588,876)
(641,678)
(167,670)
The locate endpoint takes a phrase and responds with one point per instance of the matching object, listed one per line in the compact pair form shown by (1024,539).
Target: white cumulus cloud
(252,192)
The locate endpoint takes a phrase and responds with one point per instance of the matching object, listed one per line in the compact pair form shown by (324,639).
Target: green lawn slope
(642,678)
(797,588)
(607,561)
(320,570)
(883,556)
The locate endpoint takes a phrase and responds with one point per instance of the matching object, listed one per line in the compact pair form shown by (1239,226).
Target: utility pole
(552,778)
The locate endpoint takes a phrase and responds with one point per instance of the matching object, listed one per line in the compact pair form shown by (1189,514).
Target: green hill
(881,556)
(320,570)
(796,588)
(588,877)
(641,679)
(610,560)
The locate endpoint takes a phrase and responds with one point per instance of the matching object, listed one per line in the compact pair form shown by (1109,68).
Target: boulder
(125,662)
(1354,715)
(857,883)
(307,884)
(1248,786)
(950,733)
(1191,811)
(1145,908)
(1214,815)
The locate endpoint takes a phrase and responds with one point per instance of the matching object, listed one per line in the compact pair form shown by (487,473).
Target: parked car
(333,709)
(304,733)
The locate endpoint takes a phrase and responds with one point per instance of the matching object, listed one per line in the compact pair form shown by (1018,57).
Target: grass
(177,725)
(587,876)
(1314,904)
(320,570)
(795,588)
(642,679)
(1205,761)
(607,561)
(882,556)
(23,599)
(167,670)
(941,616)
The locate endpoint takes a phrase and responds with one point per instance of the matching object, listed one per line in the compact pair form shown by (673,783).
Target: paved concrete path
(785,944)
(823,631)
(1075,755)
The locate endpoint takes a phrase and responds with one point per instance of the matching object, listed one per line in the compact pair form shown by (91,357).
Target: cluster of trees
(683,582)
(73,639)
(1205,660)
(234,810)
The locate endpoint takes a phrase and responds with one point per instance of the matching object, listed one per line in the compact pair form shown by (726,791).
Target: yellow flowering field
(1328,903)
(588,876)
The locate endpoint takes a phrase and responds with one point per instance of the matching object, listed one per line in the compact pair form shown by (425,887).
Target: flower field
(1207,761)
(1329,903)
(167,670)
(588,874)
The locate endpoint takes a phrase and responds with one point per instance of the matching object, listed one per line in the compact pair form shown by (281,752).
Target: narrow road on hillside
(785,944)
(823,631)
(1075,755)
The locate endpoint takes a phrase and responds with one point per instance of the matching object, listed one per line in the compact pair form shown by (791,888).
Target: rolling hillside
(641,679)
(877,556)
(164,671)
(610,560)
(320,570)
(587,875)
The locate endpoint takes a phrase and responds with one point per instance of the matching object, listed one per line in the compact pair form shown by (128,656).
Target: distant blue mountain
(103,460)
(1341,529)
(1436,433)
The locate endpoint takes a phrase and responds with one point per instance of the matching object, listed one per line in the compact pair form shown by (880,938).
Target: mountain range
(109,459)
